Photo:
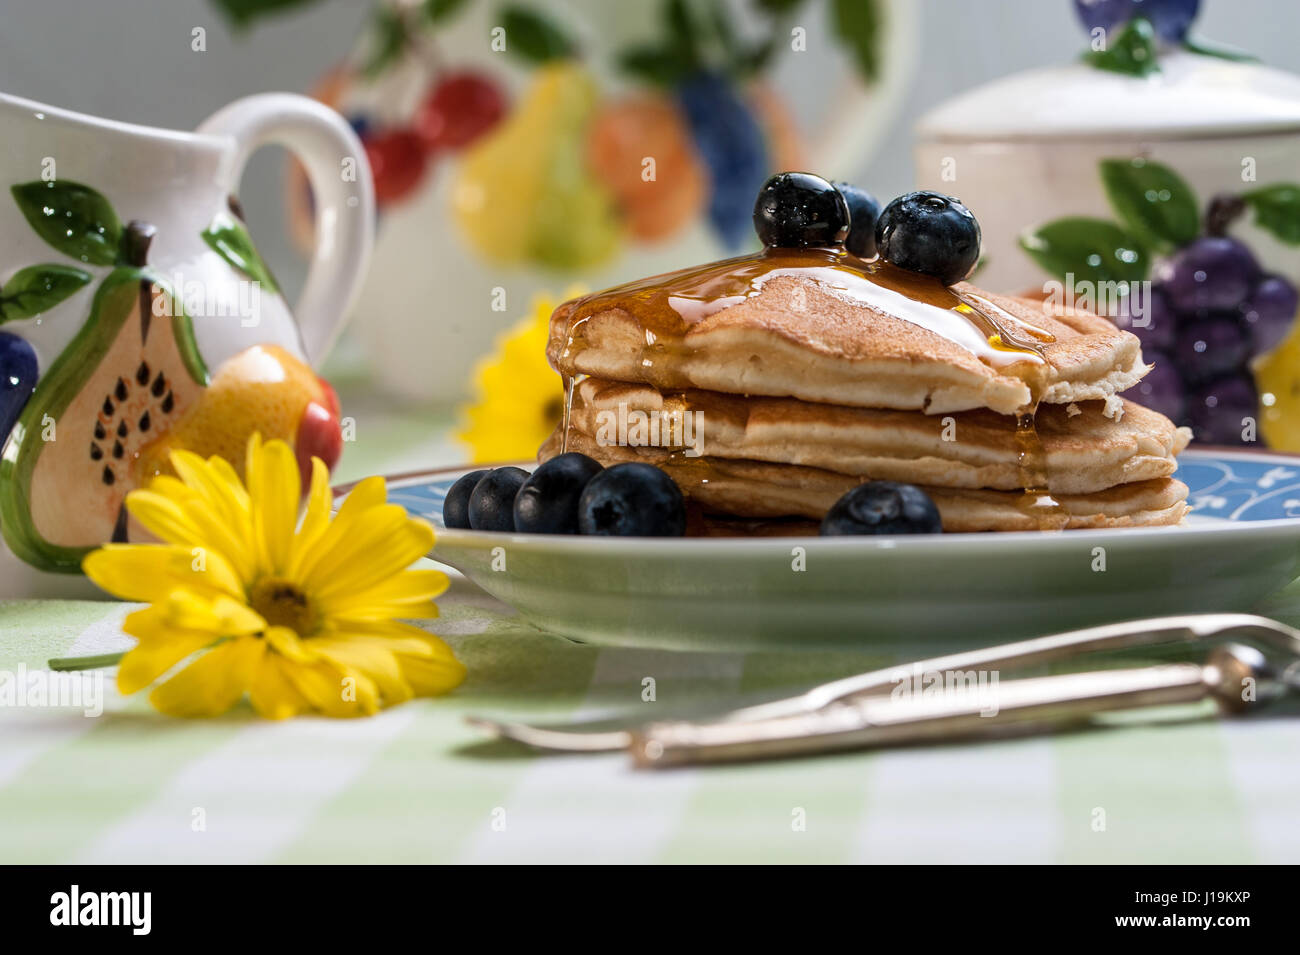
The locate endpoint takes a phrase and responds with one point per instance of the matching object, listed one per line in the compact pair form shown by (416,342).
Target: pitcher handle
(345,204)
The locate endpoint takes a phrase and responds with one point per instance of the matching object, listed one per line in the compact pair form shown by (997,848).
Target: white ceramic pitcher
(82,195)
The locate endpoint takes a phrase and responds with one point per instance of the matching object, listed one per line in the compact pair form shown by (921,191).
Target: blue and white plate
(1241,544)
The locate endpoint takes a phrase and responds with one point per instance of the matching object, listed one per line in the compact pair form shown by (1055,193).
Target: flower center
(282,604)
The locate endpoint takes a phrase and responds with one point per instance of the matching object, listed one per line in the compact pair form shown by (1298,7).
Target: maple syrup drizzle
(667,305)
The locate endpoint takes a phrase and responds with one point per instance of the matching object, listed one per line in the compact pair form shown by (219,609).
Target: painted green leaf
(389,40)
(37,289)
(73,218)
(534,37)
(857,24)
(1152,201)
(230,240)
(1195,44)
(683,30)
(1133,52)
(1277,209)
(243,12)
(1089,249)
(756,58)
(438,10)
(660,66)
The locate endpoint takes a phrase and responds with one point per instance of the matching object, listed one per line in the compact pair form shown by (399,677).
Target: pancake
(700,524)
(1084,451)
(760,489)
(797,335)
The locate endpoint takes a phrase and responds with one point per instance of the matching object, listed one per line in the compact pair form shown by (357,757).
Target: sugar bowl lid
(1191,96)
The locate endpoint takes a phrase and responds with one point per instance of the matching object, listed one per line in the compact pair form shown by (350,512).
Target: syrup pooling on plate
(667,305)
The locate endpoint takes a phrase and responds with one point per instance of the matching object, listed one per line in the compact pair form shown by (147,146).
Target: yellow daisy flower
(299,614)
(518,398)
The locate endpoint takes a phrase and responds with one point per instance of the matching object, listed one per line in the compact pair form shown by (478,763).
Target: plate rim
(655,546)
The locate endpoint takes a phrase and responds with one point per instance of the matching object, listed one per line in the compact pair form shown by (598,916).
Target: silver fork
(878,708)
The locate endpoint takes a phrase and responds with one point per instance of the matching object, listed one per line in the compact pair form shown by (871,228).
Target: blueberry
(1210,347)
(548,501)
(1269,312)
(864,210)
(1161,389)
(455,506)
(1170,18)
(632,500)
(492,505)
(17,380)
(1149,317)
(1209,273)
(797,210)
(930,233)
(730,140)
(1218,409)
(882,507)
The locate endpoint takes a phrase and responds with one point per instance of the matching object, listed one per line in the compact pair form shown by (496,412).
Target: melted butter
(667,305)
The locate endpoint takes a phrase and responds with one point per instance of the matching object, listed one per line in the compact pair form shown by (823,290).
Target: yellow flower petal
(184,612)
(218,491)
(286,643)
(195,474)
(273,694)
(369,555)
(153,657)
(221,615)
(214,682)
(370,659)
(274,488)
(396,629)
(392,644)
(315,520)
(224,472)
(425,610)
(172,488)
(163,517)
(333,690)
(149,572)
(369,492)
(345,582)
(431,676)
(383,534)
(408,587)
(189,526)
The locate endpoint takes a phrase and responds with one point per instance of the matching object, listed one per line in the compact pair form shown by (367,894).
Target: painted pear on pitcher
(524,195)
(129,373)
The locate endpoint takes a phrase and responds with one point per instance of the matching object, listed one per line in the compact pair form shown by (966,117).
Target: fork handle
(929,717)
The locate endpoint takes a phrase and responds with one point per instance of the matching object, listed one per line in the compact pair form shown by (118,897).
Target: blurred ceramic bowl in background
(1103,176)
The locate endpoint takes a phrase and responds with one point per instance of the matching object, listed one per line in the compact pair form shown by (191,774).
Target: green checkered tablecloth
(415,784)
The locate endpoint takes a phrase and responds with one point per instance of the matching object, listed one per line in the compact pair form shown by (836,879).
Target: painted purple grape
(730,141)
(17,380)
(1217,410)
(1210,347)
(1149,317)
(1170,18)
(1161,389)
(1209,274)
(1269,312)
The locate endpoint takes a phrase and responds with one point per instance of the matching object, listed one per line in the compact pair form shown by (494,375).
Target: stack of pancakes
(799,393)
